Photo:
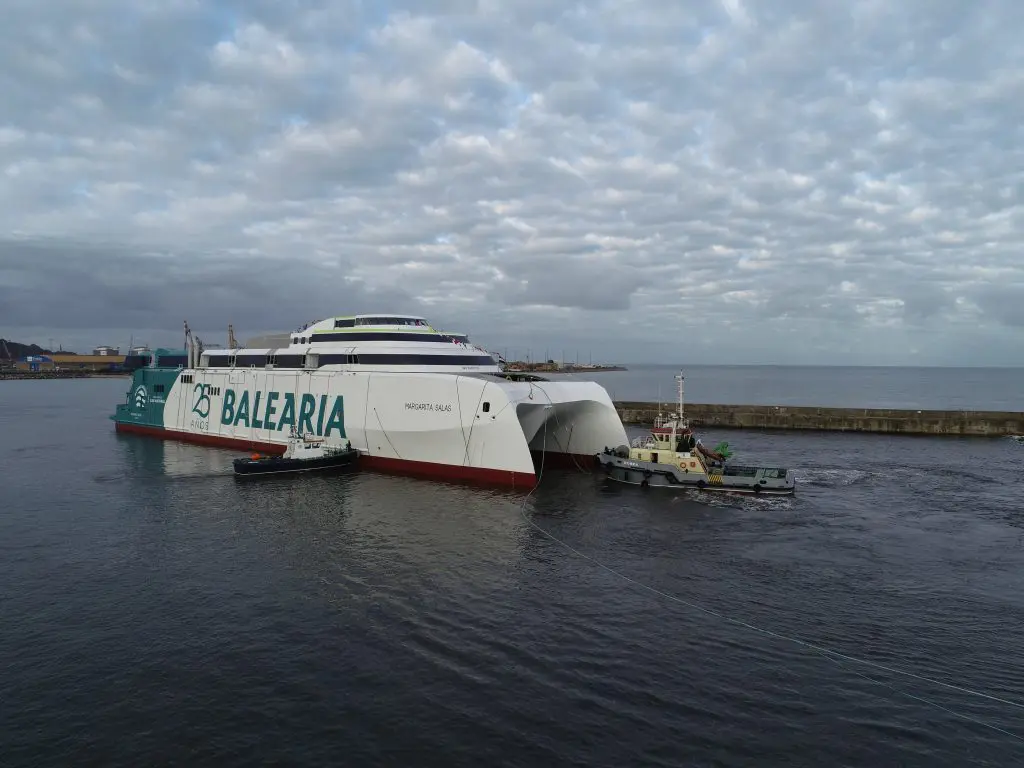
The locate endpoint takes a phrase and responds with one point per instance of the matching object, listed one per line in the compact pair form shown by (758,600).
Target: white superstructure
(408,397)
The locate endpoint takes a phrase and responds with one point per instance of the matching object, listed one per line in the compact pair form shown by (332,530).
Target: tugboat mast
(678,420)
(679,378)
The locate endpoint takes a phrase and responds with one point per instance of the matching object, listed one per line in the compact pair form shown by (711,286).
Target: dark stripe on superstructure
(257,361)
(171,361)
(379,336)
(280,361)
(296,361)
(363,359)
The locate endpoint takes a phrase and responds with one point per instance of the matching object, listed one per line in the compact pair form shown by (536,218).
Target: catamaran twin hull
(474,426)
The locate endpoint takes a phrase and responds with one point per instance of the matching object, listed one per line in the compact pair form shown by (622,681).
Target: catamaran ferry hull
(477,427)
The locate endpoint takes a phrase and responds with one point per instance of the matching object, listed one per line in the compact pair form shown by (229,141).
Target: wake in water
(830,477)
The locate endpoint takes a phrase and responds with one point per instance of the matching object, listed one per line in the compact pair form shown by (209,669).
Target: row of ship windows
(378,336)
(299,361)
(351,322)
(188,378)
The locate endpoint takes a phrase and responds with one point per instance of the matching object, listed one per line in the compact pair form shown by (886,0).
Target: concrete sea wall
(884,420)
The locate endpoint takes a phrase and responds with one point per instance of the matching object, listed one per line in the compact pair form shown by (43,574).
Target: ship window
(487,407)
(381,335)
(158,387)
(346,323)
(385,321)
(373,359)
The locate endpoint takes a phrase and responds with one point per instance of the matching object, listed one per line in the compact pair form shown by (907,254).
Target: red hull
(518,480)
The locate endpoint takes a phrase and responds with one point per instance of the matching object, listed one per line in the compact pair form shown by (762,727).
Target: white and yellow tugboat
(672,457)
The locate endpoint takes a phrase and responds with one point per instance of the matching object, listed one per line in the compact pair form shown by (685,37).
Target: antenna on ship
(191,358)
(232,344)
(679,378)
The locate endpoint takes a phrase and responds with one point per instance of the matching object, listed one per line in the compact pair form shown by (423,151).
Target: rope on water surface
(835,657)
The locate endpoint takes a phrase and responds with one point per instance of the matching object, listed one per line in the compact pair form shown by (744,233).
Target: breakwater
(883,420)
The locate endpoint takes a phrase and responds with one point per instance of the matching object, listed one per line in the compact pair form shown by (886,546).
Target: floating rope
(834,656)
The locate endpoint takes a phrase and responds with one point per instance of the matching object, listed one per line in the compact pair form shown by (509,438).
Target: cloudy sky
(720,181)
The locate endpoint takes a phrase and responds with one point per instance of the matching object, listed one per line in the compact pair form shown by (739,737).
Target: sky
(708,182)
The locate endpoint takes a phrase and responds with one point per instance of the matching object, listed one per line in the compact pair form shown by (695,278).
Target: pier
(518,366)
(874,420)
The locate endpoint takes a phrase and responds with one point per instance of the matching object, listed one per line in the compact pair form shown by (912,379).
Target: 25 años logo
(201,406)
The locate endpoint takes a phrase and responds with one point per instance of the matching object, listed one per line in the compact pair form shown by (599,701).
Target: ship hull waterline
(384,464)
(473,429)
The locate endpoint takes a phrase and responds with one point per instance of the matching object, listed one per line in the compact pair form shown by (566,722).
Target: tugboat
(672,457)
(304,453)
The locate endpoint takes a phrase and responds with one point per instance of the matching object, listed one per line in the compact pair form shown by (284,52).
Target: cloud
(719,181)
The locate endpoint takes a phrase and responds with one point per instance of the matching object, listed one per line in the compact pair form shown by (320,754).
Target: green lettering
(256,423)
(337,420)
(227,411)
(320,416)
(288,414)
(271,397)
(243,409)
(306,413)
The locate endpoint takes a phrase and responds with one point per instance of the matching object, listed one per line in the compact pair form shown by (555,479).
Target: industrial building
(34,363)
(67,362)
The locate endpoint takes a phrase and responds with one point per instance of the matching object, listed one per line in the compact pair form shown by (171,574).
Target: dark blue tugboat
(303,454)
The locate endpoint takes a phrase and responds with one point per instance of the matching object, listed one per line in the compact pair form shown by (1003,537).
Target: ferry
(671,456)
(409,398)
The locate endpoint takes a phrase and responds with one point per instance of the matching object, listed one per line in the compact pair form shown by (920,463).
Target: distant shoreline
(50,375)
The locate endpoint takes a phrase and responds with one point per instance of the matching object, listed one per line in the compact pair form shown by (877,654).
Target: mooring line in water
(947,710)
(836,657)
